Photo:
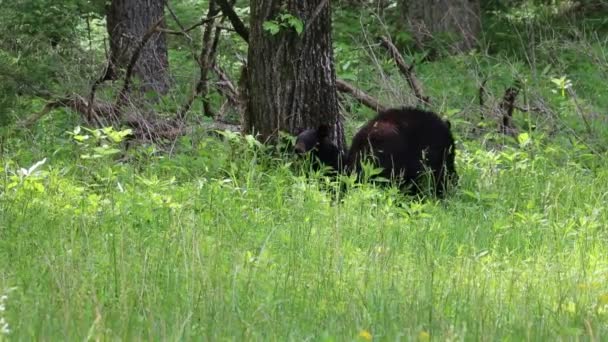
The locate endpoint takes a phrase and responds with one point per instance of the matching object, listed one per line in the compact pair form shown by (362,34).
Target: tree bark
(291,77)
(458,19)
(127,22)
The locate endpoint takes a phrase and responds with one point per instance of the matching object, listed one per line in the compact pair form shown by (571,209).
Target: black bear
(406,143)
(323,151)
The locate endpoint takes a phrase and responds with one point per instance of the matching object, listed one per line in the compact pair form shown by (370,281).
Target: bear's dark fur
(323,151)
(406,143)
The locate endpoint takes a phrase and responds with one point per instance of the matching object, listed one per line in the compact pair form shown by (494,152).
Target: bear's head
(312,139)
(316,141)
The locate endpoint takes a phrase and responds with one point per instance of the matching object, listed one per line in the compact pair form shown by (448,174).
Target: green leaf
(296,23)
(524,139)
(272,27)
(105,150)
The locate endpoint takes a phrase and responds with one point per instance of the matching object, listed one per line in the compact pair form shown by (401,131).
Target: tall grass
(253,249)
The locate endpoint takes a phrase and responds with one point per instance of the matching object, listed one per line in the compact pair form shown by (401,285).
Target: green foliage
(255,244)
(98,143)
(284,21)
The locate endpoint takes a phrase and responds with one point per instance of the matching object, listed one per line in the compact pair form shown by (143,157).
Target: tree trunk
(291,77)
(127,23)
(458,20)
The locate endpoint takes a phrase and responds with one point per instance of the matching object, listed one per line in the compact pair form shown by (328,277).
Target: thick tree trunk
(459,20)
(127,22)
(291,77)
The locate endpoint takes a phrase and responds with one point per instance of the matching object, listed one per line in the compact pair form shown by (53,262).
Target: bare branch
(359,95)
(185,31)
(236,22)
(206,60)
(226,87)
(406,70)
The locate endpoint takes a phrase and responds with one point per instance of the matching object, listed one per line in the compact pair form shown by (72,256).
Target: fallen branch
(98,110)
(406,70)
(359,95)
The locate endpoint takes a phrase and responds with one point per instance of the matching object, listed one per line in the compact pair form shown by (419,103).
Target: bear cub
(322,150)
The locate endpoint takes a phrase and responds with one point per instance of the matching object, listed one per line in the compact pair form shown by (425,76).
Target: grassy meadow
(223,241)
(217,237)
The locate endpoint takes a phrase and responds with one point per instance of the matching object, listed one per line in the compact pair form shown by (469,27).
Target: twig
(406,70)
(185,31)
(359,95)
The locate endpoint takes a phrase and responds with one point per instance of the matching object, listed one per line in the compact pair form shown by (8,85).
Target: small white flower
(4,327)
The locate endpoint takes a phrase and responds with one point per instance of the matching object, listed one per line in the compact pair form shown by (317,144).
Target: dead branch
(223,126)
(226,87)
(506,108)
(482,93)
(177,21)
(101,112)
(527,109)
(206,59)
(359,95)
(122,95)
(185,31)
(406,70)
(236,22)
(107,75)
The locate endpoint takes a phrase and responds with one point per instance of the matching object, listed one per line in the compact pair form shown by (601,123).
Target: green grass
(251,249)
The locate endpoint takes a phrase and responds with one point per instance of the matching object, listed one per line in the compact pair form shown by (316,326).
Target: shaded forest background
(60,54)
